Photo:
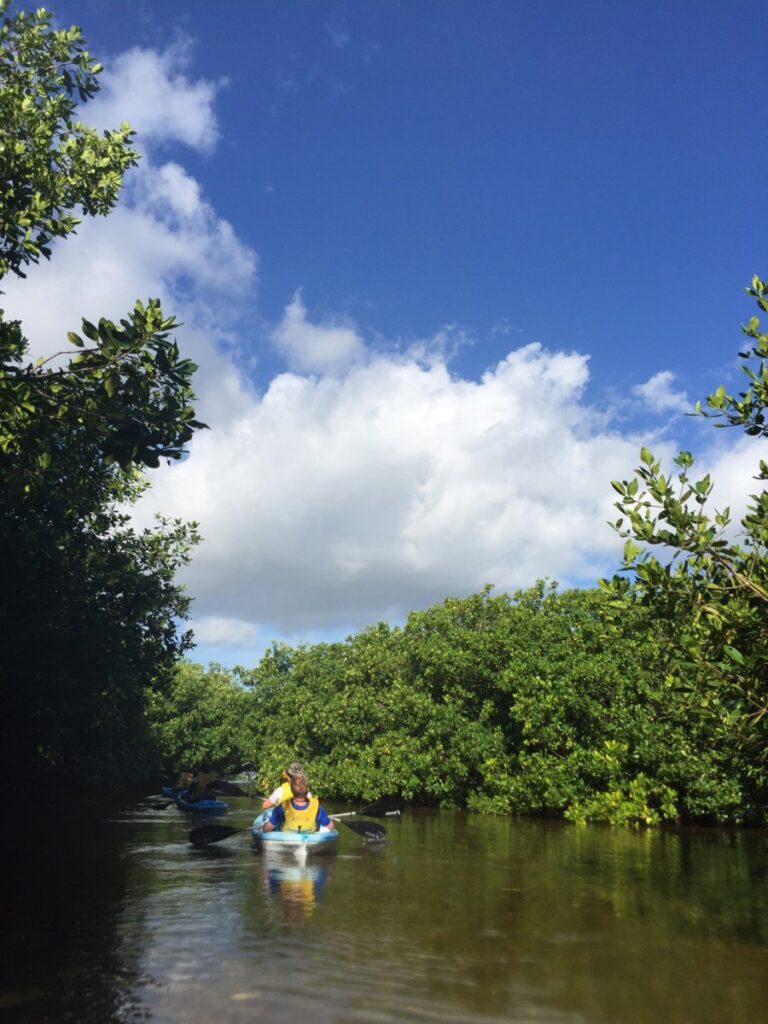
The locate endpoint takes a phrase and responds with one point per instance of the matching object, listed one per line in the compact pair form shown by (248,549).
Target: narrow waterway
(455,919)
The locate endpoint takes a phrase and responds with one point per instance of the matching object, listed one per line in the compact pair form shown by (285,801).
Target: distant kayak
(301,843)
(194,806)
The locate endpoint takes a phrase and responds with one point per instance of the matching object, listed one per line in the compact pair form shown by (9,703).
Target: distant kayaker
(283,791)
(302,813)
(184,781)
(199,789)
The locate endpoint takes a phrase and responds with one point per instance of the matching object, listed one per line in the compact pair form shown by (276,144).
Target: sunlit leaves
(712,590)
(51,164)
(200,719)
(531,703)
(747,409)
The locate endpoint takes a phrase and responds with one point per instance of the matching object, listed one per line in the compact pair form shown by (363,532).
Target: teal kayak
(305,844)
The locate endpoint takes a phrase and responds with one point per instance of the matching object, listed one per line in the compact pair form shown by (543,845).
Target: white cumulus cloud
(338,499)
(151,90)
(309,346)
(659,395)
(164,240)
(360,483)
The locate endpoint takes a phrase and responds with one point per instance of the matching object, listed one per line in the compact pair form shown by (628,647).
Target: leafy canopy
(710,593)
(126,392)
(90,606)
(51,165)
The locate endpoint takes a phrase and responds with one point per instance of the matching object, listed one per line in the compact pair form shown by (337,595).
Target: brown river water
(456,918)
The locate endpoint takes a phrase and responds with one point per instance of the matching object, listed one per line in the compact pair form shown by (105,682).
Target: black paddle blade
(389,807)
(366,829)
(212,834)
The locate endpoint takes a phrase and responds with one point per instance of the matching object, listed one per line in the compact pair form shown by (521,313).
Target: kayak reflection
(296,886)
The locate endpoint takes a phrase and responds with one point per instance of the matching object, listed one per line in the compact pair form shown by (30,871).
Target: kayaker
(302,813)
(199,789)
(184,781)
(283,791)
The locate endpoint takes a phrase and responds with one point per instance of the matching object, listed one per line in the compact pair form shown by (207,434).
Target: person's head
(300,786)
(294,768)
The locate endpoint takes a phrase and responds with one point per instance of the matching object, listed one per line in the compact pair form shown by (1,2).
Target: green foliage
(90,622)
(50,163)
(535,703)
(124,400)
(199,720)
(641,802)
(638,703)
(710,596)
(342,709)
(748,409)
(90,607)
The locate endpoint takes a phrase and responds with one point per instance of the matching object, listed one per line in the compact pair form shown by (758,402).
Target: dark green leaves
(128,393)
(89,607)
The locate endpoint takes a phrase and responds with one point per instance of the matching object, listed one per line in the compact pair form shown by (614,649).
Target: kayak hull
(202,806)
(197,806)
(299,844)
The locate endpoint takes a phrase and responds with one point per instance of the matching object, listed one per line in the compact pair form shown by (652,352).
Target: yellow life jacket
(286,793)
(298,819)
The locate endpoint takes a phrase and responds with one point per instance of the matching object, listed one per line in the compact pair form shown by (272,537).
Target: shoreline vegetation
(532,704)
(639,702)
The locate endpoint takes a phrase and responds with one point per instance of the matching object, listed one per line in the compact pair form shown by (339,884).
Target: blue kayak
(304,844)
(194,806)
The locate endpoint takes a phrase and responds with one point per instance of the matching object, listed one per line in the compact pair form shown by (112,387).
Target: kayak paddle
(366,829)
(388,807)
(216,833)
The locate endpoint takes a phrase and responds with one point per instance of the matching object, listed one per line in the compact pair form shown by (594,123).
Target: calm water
(455,919)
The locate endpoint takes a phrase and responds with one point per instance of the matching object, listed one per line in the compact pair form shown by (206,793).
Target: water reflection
(68,883)
(293,885)
(456,918)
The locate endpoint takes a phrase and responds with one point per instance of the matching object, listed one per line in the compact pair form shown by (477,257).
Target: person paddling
(184,781)
(302,813)
(198,790)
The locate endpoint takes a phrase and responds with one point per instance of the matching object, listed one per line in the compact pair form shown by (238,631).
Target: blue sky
(429,257)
